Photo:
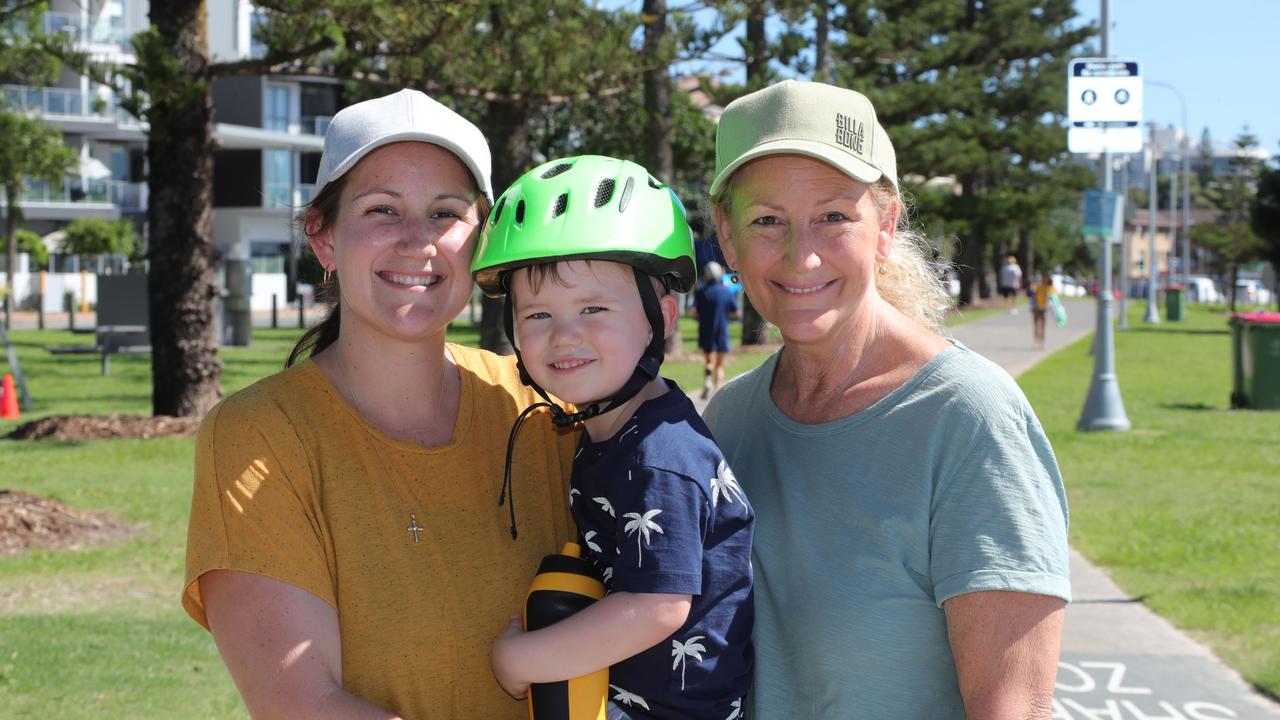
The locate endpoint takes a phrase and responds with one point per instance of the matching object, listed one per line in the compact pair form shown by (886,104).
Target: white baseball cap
(410,115)
(825,122)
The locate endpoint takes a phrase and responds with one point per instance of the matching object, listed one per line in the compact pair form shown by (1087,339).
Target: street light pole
(1184,148)
(1153,267)
(1103,407)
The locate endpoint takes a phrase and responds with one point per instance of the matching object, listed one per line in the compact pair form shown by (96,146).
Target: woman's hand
(503,668)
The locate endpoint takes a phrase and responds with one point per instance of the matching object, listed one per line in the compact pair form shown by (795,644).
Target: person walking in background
(1042,298)
(713,304)
(911,523)
(1010,283)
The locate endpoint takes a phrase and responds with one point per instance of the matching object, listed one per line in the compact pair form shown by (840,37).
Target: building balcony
(56,103)
(72,26)
(287,196)
(77,198)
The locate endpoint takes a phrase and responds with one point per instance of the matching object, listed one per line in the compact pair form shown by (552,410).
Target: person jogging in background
(713,304)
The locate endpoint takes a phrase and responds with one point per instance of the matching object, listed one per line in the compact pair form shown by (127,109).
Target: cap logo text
(849,132)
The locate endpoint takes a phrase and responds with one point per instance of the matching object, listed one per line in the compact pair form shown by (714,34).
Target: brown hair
(319,216)
(540,273)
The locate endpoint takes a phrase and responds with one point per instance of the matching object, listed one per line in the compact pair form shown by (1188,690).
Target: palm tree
(627,698)
(587,539)
(604,505)
(641,525)
(724,483)
(683,650)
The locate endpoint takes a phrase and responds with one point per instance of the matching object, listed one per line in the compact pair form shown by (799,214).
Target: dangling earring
(882,269)
(734,277)
(328,276)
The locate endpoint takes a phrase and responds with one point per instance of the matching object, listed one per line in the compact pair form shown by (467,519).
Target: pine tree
(971,90)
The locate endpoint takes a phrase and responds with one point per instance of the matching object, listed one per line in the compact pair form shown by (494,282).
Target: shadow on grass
(1166,329)
(1190,406)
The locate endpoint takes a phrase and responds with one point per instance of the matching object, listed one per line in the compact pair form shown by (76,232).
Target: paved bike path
(1120,661)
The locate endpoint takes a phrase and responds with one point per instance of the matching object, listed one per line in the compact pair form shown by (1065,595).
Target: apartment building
(269,132)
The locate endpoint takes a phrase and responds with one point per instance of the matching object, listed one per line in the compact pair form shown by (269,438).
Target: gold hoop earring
(328,277)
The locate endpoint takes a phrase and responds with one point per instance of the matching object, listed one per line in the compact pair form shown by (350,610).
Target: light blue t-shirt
(867,524)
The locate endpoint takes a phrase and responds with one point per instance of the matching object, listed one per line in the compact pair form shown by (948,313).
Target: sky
(1222,55)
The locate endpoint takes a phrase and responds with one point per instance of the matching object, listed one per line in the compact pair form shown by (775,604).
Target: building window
(278,185)
(276,114)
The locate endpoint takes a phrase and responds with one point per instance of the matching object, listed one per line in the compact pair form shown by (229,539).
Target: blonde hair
(911,280)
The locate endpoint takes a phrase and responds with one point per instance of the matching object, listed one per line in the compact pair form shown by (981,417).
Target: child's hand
(502,666)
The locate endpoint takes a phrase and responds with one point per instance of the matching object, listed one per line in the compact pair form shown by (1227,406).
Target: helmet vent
(654,183)
(552,172)
(497,212)
(562,203)
(604,193)
(626,194)
(520,212)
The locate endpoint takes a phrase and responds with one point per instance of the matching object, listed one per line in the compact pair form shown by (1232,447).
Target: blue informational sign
(1103,213)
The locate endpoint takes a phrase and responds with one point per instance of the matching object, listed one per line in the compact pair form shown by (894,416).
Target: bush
(31,244)
(94,236)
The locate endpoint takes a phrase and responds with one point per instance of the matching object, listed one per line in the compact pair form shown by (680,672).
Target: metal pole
(1184,148)
(1124,251)
(1153,267)
(1186,204)
(1103,407)
(1173,225)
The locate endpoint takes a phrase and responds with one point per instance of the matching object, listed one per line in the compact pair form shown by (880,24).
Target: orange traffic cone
(8,398)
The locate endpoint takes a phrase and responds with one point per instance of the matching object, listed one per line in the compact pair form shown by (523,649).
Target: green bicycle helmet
(586,207)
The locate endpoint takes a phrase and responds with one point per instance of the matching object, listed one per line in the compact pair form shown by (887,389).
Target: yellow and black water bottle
(565,584)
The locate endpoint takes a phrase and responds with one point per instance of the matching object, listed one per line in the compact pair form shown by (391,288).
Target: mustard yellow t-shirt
(292,483)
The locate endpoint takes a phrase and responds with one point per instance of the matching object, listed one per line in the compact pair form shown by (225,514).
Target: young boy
(588,249)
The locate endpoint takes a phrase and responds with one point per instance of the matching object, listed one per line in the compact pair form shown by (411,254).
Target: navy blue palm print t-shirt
(661,512)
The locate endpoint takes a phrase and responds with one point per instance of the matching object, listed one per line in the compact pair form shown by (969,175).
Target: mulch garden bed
(29,521)
(105,427)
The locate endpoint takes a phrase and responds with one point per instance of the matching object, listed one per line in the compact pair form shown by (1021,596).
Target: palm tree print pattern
(725,484)
(641,525)
(682,651)
(627,698)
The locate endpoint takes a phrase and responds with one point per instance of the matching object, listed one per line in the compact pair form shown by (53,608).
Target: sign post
(1104,110)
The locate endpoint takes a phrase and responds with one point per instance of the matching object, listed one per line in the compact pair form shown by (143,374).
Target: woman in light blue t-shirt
(910,546)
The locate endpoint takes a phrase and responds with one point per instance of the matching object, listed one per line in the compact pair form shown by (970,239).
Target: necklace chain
(351,397)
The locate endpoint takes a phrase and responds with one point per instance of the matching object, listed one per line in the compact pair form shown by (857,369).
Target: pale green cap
(825,122)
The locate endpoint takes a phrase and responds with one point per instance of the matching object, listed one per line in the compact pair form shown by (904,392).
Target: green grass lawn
(1184,509)
(98,632)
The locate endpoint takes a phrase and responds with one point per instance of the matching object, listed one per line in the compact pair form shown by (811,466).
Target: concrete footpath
(1120,661)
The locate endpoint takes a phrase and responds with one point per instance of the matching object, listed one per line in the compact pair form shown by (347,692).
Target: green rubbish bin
(1255,354)
(1173,303)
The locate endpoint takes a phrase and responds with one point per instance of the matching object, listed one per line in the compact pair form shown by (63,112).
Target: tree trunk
(180,283)
(11,252)
(757,44)
(507,127)
(1026,252)
(821,28)
(753,325)
(657,103)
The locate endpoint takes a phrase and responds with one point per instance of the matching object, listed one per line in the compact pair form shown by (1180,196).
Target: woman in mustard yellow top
(347,548)
(1041,293)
